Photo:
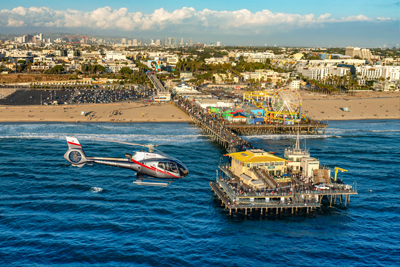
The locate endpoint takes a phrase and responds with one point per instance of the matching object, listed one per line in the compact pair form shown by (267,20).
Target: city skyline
(369,24)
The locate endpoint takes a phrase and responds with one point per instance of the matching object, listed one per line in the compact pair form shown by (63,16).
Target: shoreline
(361,106)
(122,112)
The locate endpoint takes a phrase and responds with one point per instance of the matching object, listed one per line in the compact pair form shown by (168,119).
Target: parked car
(322,187)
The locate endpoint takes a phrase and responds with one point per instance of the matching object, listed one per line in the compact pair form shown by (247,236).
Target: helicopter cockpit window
(168,166)
(173,167)
(161,165)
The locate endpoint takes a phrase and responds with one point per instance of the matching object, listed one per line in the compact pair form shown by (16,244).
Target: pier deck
(308,128)
(290,198)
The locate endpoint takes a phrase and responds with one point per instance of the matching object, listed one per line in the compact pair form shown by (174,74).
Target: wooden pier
(222,135)
(308,128)
(294,200)
(216,136)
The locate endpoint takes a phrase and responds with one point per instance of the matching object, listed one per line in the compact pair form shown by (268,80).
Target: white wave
(383,131)
(155,139)
(96,189)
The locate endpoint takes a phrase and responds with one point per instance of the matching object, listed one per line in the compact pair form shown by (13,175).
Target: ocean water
(55,214)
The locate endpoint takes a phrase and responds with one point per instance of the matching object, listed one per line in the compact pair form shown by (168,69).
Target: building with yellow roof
(243,162)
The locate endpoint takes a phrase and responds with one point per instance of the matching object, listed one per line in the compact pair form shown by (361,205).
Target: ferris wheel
(286,100)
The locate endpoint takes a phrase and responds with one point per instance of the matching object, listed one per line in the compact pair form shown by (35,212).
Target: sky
(367,23)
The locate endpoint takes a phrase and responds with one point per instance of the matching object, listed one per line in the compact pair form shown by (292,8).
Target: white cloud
(383,18)
(185,19)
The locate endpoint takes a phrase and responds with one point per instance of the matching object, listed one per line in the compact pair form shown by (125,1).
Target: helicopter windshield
(168,166)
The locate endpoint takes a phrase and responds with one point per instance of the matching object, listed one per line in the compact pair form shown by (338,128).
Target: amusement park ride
(152,168)
(282,105)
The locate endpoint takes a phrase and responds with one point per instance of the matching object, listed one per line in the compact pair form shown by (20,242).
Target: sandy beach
(116,112)
(363,105)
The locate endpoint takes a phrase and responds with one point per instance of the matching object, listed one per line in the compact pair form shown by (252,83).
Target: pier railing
(240,201)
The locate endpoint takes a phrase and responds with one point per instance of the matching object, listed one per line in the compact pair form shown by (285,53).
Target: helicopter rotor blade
(120,142)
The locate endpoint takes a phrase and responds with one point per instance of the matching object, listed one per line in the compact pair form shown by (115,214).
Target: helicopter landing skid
(153,182)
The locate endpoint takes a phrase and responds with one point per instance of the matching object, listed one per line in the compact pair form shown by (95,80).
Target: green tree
(57,69)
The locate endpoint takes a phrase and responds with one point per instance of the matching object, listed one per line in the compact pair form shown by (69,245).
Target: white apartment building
(317,73)
(155,55)
(367,73)
(339,71)
(294,85)
(19,54)
(115,68)
(43,59)
(320,73)
(70,53)
(92,54)
(171,59)
(252,75)
(330,62)
(216,60)
(392,72)
(115,55)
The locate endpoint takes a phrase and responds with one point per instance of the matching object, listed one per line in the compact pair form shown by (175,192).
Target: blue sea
(55,214)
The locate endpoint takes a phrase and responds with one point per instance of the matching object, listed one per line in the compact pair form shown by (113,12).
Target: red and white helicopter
(153,168)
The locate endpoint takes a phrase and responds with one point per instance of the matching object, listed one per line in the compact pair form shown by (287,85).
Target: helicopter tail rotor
(75,154)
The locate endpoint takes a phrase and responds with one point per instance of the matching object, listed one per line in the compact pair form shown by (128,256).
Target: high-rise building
(123,41)
(218,43)
(169,41)
(134,42)
(182,41)
(365,54)
(174,42)
(158,42)
(129,42)
(191,41)
(165,41)
(352,51)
